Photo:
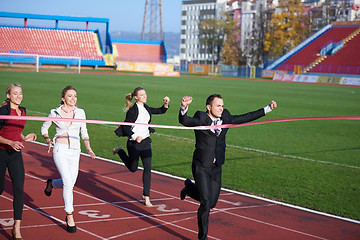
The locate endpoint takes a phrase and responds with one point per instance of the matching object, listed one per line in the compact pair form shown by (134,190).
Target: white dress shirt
(143,117)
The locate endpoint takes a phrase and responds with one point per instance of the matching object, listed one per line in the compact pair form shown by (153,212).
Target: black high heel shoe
(48,183)
(70,229)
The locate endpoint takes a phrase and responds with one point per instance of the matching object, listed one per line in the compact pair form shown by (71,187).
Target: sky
(123,15)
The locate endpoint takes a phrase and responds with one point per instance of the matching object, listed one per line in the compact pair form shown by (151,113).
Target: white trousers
(67,163)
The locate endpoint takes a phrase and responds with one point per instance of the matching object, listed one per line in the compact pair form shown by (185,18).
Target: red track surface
(107,207)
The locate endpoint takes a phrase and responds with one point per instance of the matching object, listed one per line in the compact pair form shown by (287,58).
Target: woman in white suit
(66,152)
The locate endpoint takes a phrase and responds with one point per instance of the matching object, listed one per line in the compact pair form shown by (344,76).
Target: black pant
(13,161)
(206,190)
(136,150)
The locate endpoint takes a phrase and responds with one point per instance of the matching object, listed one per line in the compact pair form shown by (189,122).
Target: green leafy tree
(214,32)
(287,28)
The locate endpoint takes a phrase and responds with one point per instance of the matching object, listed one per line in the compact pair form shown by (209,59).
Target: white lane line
(123,208)
(259,221)
(240,193)
(233,192)
(160,225)
(56,219)
(267,223)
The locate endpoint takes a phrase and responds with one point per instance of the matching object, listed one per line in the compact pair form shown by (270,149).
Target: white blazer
(61,127)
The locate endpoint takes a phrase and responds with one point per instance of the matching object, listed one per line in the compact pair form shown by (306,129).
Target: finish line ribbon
(33,118)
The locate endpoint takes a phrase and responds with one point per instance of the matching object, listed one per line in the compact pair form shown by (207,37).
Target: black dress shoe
(188,182)
(70,229)
(183,193)
(48,193)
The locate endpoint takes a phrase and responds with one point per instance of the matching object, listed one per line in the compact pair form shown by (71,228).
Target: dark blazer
(5,110)
(208,146)
(132,115)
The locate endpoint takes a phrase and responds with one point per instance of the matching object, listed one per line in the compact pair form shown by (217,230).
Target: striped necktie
(217,130)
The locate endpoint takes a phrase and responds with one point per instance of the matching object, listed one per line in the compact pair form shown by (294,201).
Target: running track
(107,207)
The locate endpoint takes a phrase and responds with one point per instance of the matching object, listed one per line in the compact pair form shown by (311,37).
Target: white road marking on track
(164,222)
(123,208)
(220,210)
(232,203)
(269,224)
(228,190)
(54,218)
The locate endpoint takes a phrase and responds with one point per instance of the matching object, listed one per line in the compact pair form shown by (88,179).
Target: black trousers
(13,161)
(135,151)
(206,190)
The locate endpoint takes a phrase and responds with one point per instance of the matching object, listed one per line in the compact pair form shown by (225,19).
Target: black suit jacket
(208,146)
(132,115)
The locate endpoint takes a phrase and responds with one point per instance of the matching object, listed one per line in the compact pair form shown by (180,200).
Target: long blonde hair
(129,97)
(7,91)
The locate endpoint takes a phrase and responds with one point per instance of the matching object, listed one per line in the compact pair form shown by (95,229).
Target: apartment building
(191,49)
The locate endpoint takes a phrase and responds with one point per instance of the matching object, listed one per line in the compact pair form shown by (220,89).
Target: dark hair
(211,98)
(130,96)
(7,91)
(67,88)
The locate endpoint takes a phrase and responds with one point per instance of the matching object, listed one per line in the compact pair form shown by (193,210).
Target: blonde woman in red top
(10,151)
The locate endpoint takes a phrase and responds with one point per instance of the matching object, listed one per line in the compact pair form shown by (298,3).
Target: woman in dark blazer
(138,144)
(10,151)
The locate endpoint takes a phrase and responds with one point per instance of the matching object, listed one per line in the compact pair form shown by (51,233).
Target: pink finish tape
(32,118)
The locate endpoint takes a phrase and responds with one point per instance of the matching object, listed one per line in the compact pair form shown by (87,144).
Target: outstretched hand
(185,101)
(272,105)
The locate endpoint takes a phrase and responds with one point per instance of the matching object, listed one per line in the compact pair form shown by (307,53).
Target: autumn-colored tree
(213,33)
(231,53)
(287,28)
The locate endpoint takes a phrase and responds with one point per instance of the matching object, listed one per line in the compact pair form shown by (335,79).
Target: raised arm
(184,119)
(161,109)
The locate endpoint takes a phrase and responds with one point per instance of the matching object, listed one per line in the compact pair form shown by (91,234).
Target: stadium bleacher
(140,51)
(52,42)
(346,60)
(310,52)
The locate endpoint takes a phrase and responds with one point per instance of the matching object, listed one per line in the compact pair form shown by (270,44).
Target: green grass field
(314,164)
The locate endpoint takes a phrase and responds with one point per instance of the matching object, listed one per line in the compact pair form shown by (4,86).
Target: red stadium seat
(137,52)
(310,52)
(49,42)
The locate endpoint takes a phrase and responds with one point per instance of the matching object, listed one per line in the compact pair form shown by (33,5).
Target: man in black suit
(209,152)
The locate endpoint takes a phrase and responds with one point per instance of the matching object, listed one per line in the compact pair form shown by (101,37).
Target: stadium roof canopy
(53,17)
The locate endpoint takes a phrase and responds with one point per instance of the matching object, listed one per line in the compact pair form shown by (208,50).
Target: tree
(231,51)
(256,52)
(214,32)
(287,28)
